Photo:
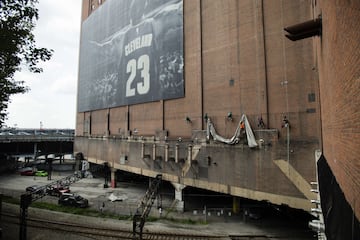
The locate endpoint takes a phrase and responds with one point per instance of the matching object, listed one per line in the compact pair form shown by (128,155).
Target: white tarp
(236,137)
(114,197)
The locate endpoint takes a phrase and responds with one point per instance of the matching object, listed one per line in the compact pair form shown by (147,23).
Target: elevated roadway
(33,143)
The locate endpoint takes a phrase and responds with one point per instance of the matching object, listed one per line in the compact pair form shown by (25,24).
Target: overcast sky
(51,101)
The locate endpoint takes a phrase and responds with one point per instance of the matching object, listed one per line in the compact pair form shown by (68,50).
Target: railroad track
(110,233)
(103,233)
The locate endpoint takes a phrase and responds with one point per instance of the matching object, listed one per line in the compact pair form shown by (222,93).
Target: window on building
(311,97)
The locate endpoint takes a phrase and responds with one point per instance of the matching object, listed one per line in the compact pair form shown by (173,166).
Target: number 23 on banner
(143,65)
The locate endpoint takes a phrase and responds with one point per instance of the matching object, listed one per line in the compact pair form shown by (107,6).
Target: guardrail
(36,135)
(33,138)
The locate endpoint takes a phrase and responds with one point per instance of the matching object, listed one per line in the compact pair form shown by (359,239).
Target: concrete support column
(177,153)
(189,153)
(142,150)
(236,205)
(166,152)
(35,151)
(180,204)
(113,178)
(154,151)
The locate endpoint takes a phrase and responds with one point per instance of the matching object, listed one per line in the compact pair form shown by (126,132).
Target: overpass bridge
(34,143)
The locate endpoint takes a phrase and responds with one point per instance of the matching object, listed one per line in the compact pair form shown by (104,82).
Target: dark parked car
(57,190)
(35,189)
(69,199)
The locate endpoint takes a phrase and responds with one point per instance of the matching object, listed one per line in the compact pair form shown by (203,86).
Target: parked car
(34,189)
(41,173)
(28,172)
(74,200)
(57,190)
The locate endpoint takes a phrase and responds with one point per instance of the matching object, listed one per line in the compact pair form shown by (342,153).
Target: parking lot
(130,194)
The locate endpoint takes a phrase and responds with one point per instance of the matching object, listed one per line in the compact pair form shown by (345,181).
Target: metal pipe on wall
(201,66)
(265,65)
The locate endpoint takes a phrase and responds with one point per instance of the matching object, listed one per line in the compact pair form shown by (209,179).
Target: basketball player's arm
(168,17)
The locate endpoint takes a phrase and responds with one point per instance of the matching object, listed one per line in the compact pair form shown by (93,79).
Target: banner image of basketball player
(131,52)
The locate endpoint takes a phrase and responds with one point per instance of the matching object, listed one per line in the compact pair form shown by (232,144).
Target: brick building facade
(237,61)
(338,57)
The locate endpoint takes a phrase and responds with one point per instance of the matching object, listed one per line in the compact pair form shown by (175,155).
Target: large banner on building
(131,52)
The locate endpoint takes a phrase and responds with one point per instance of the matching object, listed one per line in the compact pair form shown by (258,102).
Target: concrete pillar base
(180,203)
(180,206)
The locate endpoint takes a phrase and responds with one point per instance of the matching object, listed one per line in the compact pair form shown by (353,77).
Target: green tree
(17,48)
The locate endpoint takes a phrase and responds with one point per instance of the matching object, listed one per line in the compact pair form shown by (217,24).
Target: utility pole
(1,196)
(27,198)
